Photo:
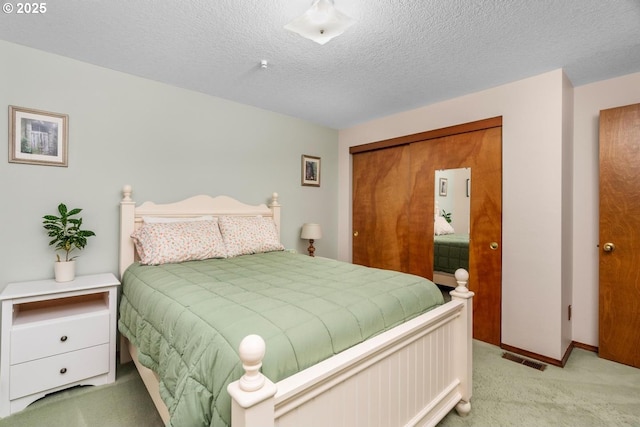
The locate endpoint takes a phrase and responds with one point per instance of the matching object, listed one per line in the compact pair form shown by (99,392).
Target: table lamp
(311,232)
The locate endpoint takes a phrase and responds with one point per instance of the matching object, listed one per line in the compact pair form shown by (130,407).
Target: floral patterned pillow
(249,235)
(162,243)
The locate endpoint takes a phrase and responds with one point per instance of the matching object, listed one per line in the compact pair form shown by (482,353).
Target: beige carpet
(588,391)
(121,404)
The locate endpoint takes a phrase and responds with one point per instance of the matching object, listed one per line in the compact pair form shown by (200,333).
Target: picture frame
(310,171)
(38,137)
(442,186)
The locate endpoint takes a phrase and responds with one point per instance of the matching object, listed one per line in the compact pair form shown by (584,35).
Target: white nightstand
(56,335)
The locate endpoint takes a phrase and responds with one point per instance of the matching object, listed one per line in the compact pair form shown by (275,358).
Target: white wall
(168,143)
(532,111)
(589,100)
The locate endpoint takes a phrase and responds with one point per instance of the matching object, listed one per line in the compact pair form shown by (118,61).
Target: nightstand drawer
(36,340)
(42,374)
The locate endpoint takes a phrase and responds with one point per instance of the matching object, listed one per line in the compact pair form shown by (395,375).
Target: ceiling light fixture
(321,22)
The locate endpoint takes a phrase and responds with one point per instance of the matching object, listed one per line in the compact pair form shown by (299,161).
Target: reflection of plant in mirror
(446,215)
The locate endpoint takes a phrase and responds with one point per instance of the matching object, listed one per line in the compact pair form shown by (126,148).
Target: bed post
(275,209)
(127,221)
(252,396)
(464,341)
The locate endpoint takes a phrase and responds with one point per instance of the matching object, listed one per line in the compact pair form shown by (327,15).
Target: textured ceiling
(400,54)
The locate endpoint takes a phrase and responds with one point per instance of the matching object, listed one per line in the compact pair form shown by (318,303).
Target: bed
(403,371)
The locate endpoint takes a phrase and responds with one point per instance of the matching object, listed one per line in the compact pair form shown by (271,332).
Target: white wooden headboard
(131,216)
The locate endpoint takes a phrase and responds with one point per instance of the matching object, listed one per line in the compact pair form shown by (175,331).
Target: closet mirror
(451,224)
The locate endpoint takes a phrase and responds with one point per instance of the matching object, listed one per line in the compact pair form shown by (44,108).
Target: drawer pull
(63,370)
(63,338)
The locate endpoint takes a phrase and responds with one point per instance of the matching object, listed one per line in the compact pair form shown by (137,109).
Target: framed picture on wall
(37,137)
(442,185)
(310,171)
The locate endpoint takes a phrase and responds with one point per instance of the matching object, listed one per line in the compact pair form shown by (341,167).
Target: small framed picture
(37,137)
(442,185)
(310,171)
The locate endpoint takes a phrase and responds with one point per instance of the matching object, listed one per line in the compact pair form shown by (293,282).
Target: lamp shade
(321,22)
(311,231)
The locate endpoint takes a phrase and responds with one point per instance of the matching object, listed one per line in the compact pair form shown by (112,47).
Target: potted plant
(68,235)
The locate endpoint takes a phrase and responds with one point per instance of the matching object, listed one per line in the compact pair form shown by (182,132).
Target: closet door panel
(381,208)
(421,207)
(482,152)
(427,156)
(485,250)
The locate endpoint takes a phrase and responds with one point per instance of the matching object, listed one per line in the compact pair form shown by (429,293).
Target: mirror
(451,224)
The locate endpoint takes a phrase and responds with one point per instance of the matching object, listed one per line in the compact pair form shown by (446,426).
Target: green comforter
(188,319)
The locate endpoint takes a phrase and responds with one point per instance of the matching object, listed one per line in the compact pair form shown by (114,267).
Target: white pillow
(441,226)
(171,242)
(249,235)
(160,219)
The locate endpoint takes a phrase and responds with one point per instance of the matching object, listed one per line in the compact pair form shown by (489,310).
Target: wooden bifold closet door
(393,206)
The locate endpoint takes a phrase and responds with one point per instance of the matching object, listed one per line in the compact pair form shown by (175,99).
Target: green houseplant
(68,235)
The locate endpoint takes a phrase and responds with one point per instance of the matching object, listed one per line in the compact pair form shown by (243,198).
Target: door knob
(608,247)
(355,234)
(493,245)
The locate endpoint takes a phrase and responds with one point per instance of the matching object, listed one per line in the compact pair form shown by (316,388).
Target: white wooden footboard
(412,375)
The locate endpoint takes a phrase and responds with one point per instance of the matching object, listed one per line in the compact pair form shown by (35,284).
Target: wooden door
(381,208)
(619,298)
(481,151)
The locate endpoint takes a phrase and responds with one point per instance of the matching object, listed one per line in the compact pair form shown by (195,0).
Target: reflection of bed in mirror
(450,252)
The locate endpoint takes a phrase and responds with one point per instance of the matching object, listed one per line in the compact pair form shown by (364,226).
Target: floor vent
(526,362)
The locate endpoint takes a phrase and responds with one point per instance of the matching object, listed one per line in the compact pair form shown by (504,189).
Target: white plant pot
(65,271)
